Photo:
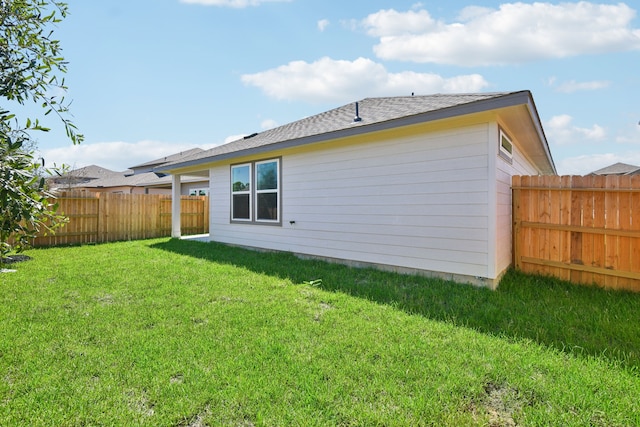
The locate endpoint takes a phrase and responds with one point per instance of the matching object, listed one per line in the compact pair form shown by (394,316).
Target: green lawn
(180,333)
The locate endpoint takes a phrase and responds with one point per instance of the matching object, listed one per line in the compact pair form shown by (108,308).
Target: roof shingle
(372,111)
(617,169)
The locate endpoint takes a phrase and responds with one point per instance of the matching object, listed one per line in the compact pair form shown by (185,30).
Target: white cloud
(585,164)
(323,24)
(391,23)
(574,86)
(268,124)
(515,33)
(629,134)
(117,155)
(560,130)
(238,4)
(330,80)
(232,138)
(470,13)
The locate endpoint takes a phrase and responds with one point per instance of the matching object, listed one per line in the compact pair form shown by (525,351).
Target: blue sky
(149,78)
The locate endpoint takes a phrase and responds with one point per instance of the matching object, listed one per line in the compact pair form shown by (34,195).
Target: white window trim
(506,154)
(253,192)
(233,193)
(276,191)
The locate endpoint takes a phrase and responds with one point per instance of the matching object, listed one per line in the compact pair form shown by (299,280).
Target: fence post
(576,221)
(515,215)
(102,217)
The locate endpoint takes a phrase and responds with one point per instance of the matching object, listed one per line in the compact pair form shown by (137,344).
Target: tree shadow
(578,320)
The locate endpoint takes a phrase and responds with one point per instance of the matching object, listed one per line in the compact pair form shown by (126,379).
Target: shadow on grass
(579,320)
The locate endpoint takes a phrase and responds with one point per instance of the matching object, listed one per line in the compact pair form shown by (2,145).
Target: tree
(24,206)
(30,68)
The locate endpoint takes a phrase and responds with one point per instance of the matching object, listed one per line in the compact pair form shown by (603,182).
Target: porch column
(175,206)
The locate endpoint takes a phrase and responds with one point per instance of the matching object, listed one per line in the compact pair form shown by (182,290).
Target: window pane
(267,175)
(240,178)
(267,206)
(506,145)
(241,206)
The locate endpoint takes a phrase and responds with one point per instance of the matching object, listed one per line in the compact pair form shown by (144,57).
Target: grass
(178,333)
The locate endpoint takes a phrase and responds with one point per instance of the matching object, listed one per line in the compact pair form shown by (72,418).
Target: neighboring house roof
(169,159)
(618,169)
(374,114)
(137,176)
(123,181)
(86,173)
(80,177)
(146,179)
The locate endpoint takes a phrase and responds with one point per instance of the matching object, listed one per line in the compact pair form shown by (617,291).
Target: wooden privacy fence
(107,217)
(585,229)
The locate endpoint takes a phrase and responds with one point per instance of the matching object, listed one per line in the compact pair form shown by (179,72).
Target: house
(415,184)
(141,179)
(79,177)
(619,169)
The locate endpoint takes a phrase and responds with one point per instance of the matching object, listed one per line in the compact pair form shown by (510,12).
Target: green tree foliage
(24,206)
(30,68)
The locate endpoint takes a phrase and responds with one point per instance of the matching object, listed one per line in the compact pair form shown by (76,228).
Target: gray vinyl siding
(418,202)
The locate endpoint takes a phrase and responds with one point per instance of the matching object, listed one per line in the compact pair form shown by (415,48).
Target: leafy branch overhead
(31,61)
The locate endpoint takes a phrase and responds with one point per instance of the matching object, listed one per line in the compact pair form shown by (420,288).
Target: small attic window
(506,147)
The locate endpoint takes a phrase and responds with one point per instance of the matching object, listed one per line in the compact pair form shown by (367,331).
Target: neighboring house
(418,184)
(78,177)
(618,169)
(141,179)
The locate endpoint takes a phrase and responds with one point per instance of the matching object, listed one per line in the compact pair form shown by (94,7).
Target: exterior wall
(189,187)
(415,200)
(118,190)
(153,190)
(520,165)
(186,189)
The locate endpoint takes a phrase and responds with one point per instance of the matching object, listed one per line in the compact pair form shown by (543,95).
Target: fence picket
(555,213)
(591,221)
(611,222)
(576,223)
(587,221)
(634,250)
(105,217)
(565,220)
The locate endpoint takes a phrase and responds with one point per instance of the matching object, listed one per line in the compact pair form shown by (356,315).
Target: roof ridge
(452,94)
(374,112)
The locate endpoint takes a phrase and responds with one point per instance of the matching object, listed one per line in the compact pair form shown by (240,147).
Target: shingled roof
(169,159)
(373,114)
(618,169)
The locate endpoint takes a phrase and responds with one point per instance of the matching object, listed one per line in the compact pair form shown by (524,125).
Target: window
(267,191)
(199,192)
(241,192)
(506,146)
(255,192)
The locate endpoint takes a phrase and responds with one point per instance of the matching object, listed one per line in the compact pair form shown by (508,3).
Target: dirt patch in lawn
(500,404)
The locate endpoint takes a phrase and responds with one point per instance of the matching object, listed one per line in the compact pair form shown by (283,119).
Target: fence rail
(107,217)
(585,229)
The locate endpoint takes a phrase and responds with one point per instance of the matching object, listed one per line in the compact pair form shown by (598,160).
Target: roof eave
(535,118)
(480,106)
